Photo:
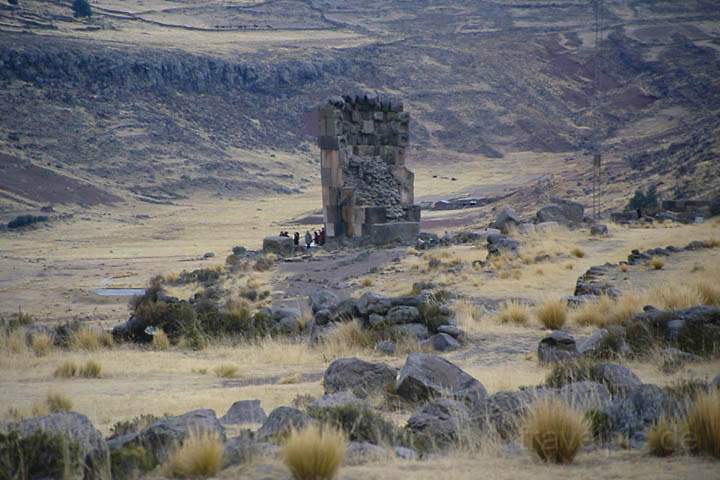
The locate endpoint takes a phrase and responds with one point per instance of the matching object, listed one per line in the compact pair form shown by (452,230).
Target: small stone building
(367,191)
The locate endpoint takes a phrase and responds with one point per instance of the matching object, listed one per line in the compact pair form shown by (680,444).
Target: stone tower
(367,191)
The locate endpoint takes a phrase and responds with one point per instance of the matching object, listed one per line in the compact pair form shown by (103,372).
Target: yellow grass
(314,453)
(58,402)
(226,371)
(348,338)
(554,431)
(67,369)
(86,339)
(674,297)
(662,438)
(577,252)
(552,314)
(160,340)
(703,424)
(14,343)
(200,456)
(41,344)
(709,291)
(91,369)
(657,263)
(469,316)
(514,312)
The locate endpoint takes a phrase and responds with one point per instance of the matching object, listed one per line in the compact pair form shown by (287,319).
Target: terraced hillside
(162,99)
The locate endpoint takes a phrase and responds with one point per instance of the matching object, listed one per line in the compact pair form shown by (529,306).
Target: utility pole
(595,121)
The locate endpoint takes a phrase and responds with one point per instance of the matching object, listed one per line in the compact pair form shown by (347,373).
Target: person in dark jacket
(296,238)
(308,239)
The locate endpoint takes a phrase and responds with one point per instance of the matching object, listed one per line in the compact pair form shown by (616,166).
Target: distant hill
(163,99)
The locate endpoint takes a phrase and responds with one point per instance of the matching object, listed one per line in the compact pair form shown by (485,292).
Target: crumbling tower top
(367,191)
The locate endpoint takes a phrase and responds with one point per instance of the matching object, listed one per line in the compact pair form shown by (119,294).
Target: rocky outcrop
(280,422)
(439,424)
(564,212)
(244,411)
(556,347)
(361,377)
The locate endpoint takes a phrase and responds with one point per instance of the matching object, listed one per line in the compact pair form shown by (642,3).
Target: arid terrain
(165,139)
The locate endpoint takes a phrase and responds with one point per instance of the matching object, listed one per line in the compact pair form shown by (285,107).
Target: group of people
(317,238)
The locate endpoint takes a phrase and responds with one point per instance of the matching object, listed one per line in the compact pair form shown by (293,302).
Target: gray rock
(160,438)
(503,411)
(403,314)
(361,377)
(281,246)
(373,303)
(406,453)
(556,347)
(716,381)
(500,244)
(585,395)
(319,333)
(419,331)
(564,212)
(426,376)
(506,219)
(323,317)
(359,453)
(240,449)
(599,230)
(386,346)
(338,399)
(323,300)
(244,411)
(345,311)
(94,456)
(640,408)
(280,422)
(288,320)
(442,342)
(526,228)
(617,378)
(451,330)
(603,343)
(376,321)
(439,424)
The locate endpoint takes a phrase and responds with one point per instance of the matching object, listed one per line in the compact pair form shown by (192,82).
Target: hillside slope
(162,99)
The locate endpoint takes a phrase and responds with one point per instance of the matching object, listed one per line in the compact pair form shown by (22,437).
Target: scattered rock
(617,378)
(439,424)
(426,376)
(451,330)
(94,456)
(419,331)
(506,220)
(564,212)
(361,377)
(406,453)
(244,411)
(442,342)
(599,230)
(556,347)
(323,300)
(280,246)
(280,421)
(373,303)
(240,449)
(386,346)
(501,244)
(640,408)
(674,359)
(503,411)
(337,399)
(403,314)
(359,453)
(585,395)
(546,227)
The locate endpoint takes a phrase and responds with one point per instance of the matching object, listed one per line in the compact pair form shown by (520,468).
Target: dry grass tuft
(226,371)
(200,456)
(366,282)
(58,402)
(662,438)
(67,369)
(106,340)
(91,369)
(290,379)
(577,252)
(624,267)
(514,312)
(555,431)
(348,337)
(703,424)
(86,339)
(160,340)
(657,263)
(674,297)
(469,315)
(709,292)
(314,453)
(14,342)
(552,314)
(41,343)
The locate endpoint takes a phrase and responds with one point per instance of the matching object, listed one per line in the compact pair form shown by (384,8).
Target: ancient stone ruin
(367,191)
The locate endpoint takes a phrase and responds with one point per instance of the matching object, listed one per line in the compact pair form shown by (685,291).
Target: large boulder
(160,438)
(403,314)
(585,395)
(617,378)
(417,331)
(323,300)
(426,376)
(361,377)
(87,457)
(241,449)
(501,244)
(633,413)
(442,342)
(280,422)
(244,411)
(281,246)
(373,303)
(506,220)
(439,424)
(556,347)
(503,411)
(288,321)
(564,212)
